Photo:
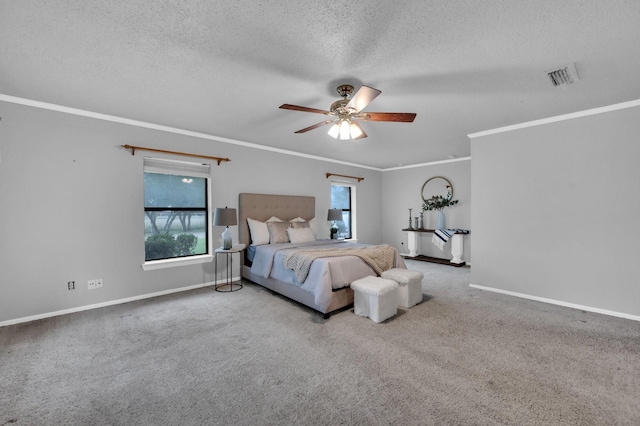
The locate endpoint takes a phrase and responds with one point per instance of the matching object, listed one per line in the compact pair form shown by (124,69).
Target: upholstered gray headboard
(262,206)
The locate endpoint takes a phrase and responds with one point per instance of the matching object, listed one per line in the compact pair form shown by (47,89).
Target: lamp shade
(345,130)
(225,217)
(355,131)
(334,214)
(334,131)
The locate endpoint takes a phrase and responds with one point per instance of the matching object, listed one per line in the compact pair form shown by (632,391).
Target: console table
(457,245)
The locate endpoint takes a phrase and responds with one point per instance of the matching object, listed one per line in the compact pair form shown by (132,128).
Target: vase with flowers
(439,203)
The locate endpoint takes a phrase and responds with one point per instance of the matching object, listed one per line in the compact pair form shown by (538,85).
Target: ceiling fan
(346,113)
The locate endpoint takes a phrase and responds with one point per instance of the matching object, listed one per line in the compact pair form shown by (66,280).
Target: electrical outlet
(99,283)
(71,285)
(91,284)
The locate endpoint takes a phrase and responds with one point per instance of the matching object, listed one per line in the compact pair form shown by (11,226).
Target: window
(342,197)
(176,209)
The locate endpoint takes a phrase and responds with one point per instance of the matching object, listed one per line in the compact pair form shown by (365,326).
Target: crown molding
(175,130)
(431,163)
(555,119)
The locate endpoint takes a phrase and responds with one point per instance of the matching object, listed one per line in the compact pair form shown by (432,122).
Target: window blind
(175,167)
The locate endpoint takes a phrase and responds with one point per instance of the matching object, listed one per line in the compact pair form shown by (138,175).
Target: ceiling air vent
(564,75)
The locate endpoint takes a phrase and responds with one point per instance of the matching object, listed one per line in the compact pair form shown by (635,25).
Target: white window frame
(354,226)
(161,165)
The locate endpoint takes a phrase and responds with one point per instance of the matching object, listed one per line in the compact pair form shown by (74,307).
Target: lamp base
(227,239)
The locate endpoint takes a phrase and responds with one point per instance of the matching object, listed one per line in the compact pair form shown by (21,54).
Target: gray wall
(401,191)
(556,208)
(71,206)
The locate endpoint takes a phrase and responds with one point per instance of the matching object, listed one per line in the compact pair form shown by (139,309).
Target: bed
(326,288)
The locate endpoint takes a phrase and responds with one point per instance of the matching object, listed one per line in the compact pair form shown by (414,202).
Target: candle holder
(410,222)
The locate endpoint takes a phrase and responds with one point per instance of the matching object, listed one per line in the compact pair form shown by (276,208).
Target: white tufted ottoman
(409,285)
(375,297)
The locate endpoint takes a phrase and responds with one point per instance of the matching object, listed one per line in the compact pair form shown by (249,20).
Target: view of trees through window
(175,216)
(341,199)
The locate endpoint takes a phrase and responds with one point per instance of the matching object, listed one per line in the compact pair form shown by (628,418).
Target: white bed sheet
(325,274)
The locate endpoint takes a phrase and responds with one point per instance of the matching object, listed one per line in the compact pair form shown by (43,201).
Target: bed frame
(286,207)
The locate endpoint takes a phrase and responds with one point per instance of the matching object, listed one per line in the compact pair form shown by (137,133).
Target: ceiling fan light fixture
(355,131)
(345,131)
(334,131)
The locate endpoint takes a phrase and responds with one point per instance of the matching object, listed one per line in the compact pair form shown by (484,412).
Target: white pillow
(259,232)
(297,219)
(300,235)
(313,223)
(274,219)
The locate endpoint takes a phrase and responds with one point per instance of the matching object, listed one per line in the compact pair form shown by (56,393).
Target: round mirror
(436,185)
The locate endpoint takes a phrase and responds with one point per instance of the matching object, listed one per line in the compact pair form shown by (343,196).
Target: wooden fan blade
(363,135)
(304,109)
(363,96)
(315,126)
(402,117)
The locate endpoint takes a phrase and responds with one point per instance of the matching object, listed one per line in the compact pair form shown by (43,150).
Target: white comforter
(325,275)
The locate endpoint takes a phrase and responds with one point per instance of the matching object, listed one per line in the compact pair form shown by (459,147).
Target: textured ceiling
(224,68)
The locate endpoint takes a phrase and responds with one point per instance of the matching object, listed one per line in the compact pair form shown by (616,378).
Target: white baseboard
(558,302)
(108,303)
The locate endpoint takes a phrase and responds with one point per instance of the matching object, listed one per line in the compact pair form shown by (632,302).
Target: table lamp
(226,217)
(334,215)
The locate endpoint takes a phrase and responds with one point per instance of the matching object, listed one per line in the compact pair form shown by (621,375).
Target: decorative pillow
(278,232)
(300,235)
(297,219)
(300,225)
(259,232)
(274,219)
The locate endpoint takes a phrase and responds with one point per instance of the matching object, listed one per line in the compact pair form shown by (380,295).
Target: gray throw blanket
(380,258)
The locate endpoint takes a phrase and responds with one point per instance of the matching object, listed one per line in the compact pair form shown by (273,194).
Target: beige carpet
(462,356)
